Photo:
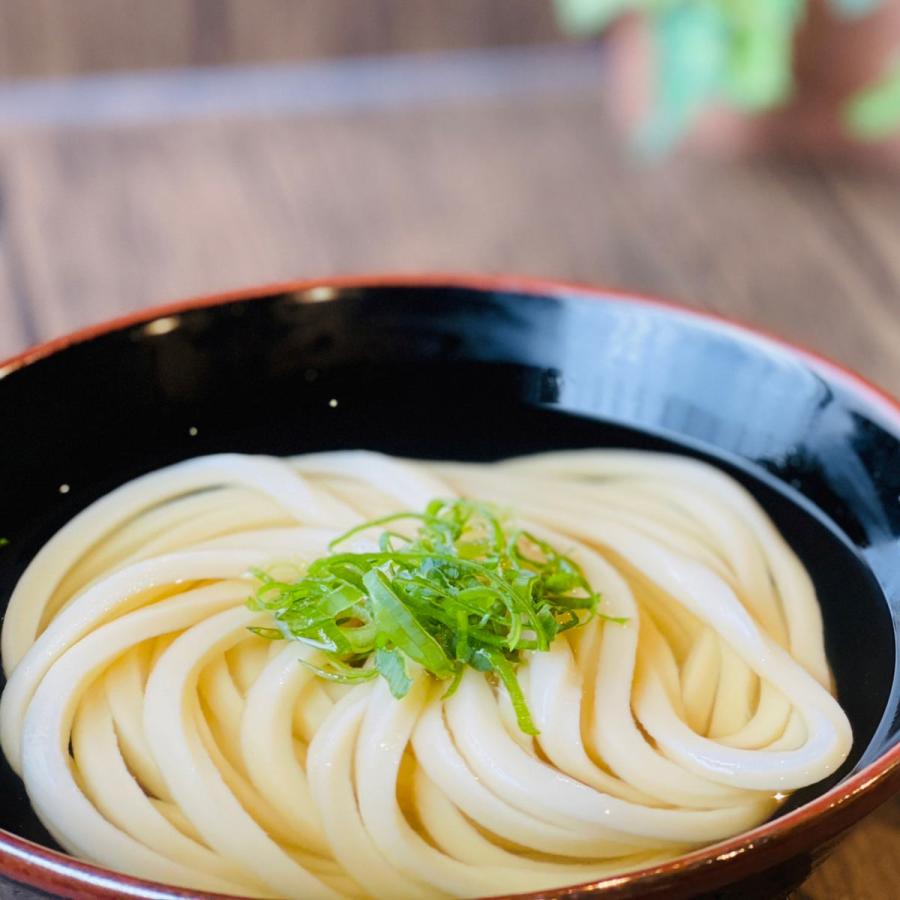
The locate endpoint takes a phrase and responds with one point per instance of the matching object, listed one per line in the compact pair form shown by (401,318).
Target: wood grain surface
(98,220)
(61,37)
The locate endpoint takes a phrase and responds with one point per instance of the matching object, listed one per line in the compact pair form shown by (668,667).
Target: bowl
(481,368)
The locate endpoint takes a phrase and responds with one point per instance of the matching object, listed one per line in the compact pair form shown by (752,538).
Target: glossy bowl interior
(482,370)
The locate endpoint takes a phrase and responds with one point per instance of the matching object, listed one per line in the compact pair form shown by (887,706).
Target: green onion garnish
(465,591)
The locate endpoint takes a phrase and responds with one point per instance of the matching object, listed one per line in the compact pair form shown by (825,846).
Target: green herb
(735,52)
(874,114)
(738,52)
(466,590)
(391,665)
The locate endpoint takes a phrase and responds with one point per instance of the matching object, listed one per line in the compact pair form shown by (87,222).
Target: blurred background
(738,156)
(153,150)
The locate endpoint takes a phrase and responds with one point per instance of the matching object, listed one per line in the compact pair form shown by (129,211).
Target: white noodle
(157,736)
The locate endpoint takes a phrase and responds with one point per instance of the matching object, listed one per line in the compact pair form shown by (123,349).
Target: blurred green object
(585,16)
(875,113)
(737,52)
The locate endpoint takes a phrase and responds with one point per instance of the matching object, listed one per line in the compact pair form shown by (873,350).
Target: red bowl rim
(831,813)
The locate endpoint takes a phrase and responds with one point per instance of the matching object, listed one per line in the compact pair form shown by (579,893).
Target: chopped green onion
(391,665)
(507,674)
(466,590)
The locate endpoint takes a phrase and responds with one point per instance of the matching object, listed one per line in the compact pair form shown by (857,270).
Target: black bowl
(482,369)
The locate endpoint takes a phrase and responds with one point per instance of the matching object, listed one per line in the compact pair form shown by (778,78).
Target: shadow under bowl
(480,368)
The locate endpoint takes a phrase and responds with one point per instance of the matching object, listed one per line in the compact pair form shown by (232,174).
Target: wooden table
(115,195)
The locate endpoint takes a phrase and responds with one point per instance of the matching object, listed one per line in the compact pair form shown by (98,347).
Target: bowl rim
(830,814)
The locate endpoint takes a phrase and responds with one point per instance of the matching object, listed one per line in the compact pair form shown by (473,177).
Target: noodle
(157,735)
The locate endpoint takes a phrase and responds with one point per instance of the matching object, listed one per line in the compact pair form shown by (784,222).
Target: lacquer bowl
(482,368)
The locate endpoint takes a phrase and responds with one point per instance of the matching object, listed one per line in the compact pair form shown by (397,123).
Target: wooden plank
(329,28)
(54,37)
(17,327)
(14,335)
(866,865)
(291,91)
(58,37)
(870,201)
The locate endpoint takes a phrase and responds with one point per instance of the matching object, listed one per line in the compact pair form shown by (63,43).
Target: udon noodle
(158,736)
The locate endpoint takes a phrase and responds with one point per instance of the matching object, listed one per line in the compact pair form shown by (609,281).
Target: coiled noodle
(158,736)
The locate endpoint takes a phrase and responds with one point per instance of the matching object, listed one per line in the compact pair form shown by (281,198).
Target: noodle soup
(346,674)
